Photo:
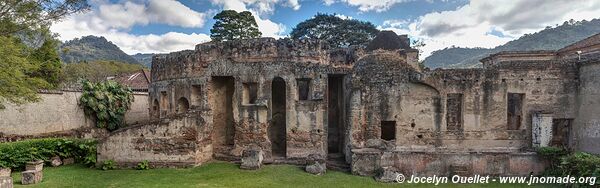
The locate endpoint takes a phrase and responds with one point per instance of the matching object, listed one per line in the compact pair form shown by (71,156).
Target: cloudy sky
(159,26)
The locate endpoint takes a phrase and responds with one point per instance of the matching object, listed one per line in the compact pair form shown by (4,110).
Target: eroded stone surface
(37,165)
(252,158)
(387,174)
(6,182)
(316,164)
(55,161)
(31,177)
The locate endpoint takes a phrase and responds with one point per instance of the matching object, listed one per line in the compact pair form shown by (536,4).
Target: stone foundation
(367,162)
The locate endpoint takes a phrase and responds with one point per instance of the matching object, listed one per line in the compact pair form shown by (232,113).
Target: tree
(231,25)
(25,66)
(31,15)
(335,30)
(16,86)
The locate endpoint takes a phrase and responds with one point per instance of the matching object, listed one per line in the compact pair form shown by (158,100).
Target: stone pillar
(33,172)
(5,179)
(6,182)
(31,177)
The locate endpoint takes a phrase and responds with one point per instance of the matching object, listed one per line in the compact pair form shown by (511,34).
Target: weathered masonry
(369,108)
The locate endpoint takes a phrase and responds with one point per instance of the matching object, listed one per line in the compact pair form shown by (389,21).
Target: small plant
(109,165)
(144,165)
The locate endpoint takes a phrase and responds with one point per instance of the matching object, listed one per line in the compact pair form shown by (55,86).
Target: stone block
(55,161)
(68,161)
(35,165)
(316,164)
(5,172)
(252,158)
(6,182)
(365,162)
(31,177)
(387,174)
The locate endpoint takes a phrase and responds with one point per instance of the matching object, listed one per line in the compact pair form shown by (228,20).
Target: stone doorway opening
(335,116)
(277,130)
(223,133)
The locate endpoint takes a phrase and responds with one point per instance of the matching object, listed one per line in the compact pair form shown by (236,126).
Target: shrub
(578,164)
(144,165)
(17,154)
(553,155)
(109,165)
(107,102)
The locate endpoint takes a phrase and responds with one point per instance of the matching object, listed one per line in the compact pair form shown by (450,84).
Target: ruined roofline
(593,40)
(518,54)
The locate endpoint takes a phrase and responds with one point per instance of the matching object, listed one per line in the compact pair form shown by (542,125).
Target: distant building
(137,81)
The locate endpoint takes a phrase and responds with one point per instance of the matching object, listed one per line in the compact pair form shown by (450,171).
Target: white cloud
(259,6)
(131,44)
(260,9)
(343,17)
(127,14)
(471,25)
(114,20)
(369,5)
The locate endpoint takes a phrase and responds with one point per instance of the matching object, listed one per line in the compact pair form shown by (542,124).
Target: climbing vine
(107,102)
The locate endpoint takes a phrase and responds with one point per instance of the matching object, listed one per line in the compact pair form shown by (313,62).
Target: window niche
(514,110)
(196,95)
(454,112)
(250,93)
(303,88)
(388,130)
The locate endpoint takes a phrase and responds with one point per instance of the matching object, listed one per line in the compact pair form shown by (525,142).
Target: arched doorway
(277,130)
(182,105)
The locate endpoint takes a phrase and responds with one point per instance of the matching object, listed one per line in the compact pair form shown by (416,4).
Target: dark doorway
(222,94)
(277,133)
(335,114)
(561,131)
(515,110)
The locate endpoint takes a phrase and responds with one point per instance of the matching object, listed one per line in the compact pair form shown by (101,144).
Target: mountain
(93,48)
(550,38)
(145,59)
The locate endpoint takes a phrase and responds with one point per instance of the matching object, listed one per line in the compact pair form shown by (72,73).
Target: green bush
(578,164)
(16,154)
(109,165)
(144,165)
(107,102)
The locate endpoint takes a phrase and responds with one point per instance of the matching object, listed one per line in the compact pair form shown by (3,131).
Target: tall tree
(30,15)
(335,30)
(16,86)
(231,25)
(28,54)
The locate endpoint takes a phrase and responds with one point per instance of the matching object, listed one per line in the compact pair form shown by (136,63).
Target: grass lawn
(215,174)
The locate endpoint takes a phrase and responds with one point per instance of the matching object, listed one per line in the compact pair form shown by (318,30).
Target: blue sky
(160,26)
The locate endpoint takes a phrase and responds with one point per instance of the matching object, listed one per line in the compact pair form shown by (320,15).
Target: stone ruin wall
(379,86)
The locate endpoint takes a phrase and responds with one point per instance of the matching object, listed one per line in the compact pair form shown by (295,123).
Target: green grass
(215,174)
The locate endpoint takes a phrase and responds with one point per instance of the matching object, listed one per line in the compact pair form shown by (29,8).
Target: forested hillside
(550,38)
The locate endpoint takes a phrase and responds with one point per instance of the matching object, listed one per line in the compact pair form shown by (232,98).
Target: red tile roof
(137,81)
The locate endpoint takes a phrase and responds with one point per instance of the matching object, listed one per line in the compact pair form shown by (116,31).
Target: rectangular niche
(514,110)
(250,93)
(454,112)
(388,130)
(303,88)
(196,95)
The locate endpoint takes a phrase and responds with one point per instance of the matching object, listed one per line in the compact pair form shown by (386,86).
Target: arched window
(182,105)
